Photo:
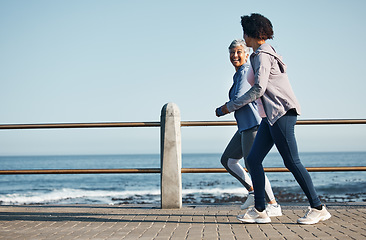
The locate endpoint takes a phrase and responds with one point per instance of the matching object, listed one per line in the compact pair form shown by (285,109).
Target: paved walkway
(191,222)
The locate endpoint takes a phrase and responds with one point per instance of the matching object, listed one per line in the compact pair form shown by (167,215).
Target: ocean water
(145,188)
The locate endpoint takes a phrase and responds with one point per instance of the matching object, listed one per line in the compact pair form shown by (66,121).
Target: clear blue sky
(121,61)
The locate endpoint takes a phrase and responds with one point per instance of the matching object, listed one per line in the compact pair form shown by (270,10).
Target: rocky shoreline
(207,198)
(281,197)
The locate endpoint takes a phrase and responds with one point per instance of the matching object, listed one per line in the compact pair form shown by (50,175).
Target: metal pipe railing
(157,124)
(157,170)
(277,169)
(170,142)
(79,125)
(79,171)
(299,122)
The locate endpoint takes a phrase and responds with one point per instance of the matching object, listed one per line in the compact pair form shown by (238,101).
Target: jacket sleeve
(262,66)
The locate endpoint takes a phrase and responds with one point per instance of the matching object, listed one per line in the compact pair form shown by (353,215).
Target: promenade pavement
(348,221)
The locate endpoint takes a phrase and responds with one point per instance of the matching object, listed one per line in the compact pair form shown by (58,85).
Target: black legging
(282,134)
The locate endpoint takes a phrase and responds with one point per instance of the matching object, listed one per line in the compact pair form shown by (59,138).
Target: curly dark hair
(257,26)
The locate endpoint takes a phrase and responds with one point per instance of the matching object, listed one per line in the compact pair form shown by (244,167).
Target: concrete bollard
(171,157)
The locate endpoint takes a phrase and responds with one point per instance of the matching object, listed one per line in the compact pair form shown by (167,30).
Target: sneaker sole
(261,220)
(314,222)
(274,215)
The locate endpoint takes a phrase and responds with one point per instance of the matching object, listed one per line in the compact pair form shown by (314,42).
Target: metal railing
(158,124)
(170,151)
(157,170)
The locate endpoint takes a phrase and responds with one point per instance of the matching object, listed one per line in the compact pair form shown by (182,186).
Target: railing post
(171,157)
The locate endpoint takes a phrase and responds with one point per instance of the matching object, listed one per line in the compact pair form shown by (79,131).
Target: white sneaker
(314,215)
(273,210)
(254,216)
(249,202)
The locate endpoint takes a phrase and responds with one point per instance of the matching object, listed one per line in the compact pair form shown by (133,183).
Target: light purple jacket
(271,84)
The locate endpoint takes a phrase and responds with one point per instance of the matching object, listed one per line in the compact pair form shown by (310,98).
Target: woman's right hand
(221,111)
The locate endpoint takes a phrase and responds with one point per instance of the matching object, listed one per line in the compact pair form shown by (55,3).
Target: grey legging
(239,147)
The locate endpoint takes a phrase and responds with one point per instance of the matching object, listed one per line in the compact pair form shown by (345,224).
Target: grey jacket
(271,84)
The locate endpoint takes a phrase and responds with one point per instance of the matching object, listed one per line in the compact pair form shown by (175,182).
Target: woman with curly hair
(281,107)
